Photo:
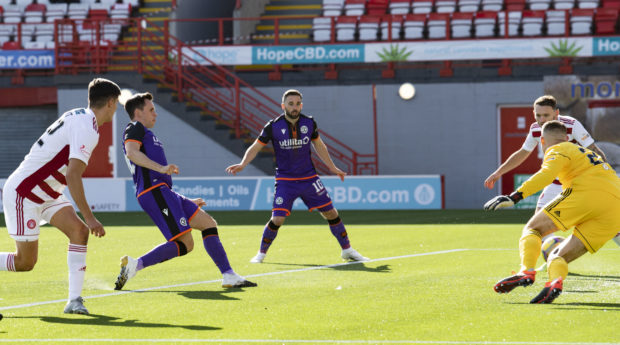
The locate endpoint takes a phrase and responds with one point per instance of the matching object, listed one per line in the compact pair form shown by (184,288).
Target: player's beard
(290,115)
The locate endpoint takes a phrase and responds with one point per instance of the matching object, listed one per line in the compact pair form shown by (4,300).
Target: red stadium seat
(11,45)
(376,7)
(515,5)
(611,4)
(606,20)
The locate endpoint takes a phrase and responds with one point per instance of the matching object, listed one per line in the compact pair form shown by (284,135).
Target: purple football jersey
(144,178)
(291,143)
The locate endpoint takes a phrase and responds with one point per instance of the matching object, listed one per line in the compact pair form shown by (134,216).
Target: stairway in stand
(296,30)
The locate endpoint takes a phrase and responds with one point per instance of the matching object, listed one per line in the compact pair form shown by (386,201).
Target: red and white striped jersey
(41,175)
(575,131)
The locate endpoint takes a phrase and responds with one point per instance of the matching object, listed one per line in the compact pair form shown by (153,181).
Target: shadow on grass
(594,277)
(362,268)
(220,295)
(103,320)
(290,264)
(352,266)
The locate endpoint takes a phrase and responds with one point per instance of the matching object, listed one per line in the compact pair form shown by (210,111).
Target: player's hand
(490,181)
(500,201)
(170,169)
(234,169)
(96,228)
(198,201)
(339,172)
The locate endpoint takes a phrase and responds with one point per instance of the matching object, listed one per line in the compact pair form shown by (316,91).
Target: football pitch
(429,282)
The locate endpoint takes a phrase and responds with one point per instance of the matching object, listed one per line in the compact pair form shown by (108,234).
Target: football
(549,245)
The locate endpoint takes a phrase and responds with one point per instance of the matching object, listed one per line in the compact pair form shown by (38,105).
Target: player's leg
(596,218)
(340,233)
(568,250)
(66,220)
(529,249)
(284,195)
(164,208)
(211,240)
(315,196)
(21,217)
(270,232)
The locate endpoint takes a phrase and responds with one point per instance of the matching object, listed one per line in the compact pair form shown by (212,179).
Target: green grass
(437,298)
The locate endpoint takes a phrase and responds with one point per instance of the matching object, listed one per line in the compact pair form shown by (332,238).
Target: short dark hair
(546,100)
(291,92)
(136,101)
(100,91)
(554,126)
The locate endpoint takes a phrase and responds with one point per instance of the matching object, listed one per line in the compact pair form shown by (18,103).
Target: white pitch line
(20,306)
(301,341)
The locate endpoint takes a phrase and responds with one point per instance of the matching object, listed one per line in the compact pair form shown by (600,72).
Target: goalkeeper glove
(503,201)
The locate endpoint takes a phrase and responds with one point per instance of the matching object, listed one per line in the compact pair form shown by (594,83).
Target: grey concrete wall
(194,153)
(197,9)
(448,129)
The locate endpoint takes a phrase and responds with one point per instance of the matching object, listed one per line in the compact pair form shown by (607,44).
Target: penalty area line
(34,304)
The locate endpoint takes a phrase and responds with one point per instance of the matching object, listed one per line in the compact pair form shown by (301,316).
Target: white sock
(7,262)
(76,260)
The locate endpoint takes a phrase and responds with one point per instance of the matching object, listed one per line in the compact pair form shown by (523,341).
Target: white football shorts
(22,216)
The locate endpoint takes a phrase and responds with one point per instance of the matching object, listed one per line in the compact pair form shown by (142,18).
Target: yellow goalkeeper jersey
(576,167)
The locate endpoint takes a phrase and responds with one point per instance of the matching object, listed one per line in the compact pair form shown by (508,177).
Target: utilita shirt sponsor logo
(293,143)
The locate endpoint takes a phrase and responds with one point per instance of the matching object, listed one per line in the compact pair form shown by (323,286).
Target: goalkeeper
(590,201)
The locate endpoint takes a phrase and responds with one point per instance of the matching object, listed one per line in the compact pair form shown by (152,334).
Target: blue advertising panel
(368,193)
(219,194)
(355,193)
(605,46)
(335,53)
(26,59)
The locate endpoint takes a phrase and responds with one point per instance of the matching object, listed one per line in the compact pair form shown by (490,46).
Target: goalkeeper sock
(557,268)
(76,260)
(338,230)
(269,235)
(529,249)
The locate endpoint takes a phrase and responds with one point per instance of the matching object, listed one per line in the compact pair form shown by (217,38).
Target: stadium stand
(29,24)
(486,19)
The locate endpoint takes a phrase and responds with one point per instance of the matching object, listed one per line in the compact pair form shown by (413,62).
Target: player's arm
(552,164)
(321,150)
(138,158)
(598,151)
(75,169)
(512,162)
(248,157)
